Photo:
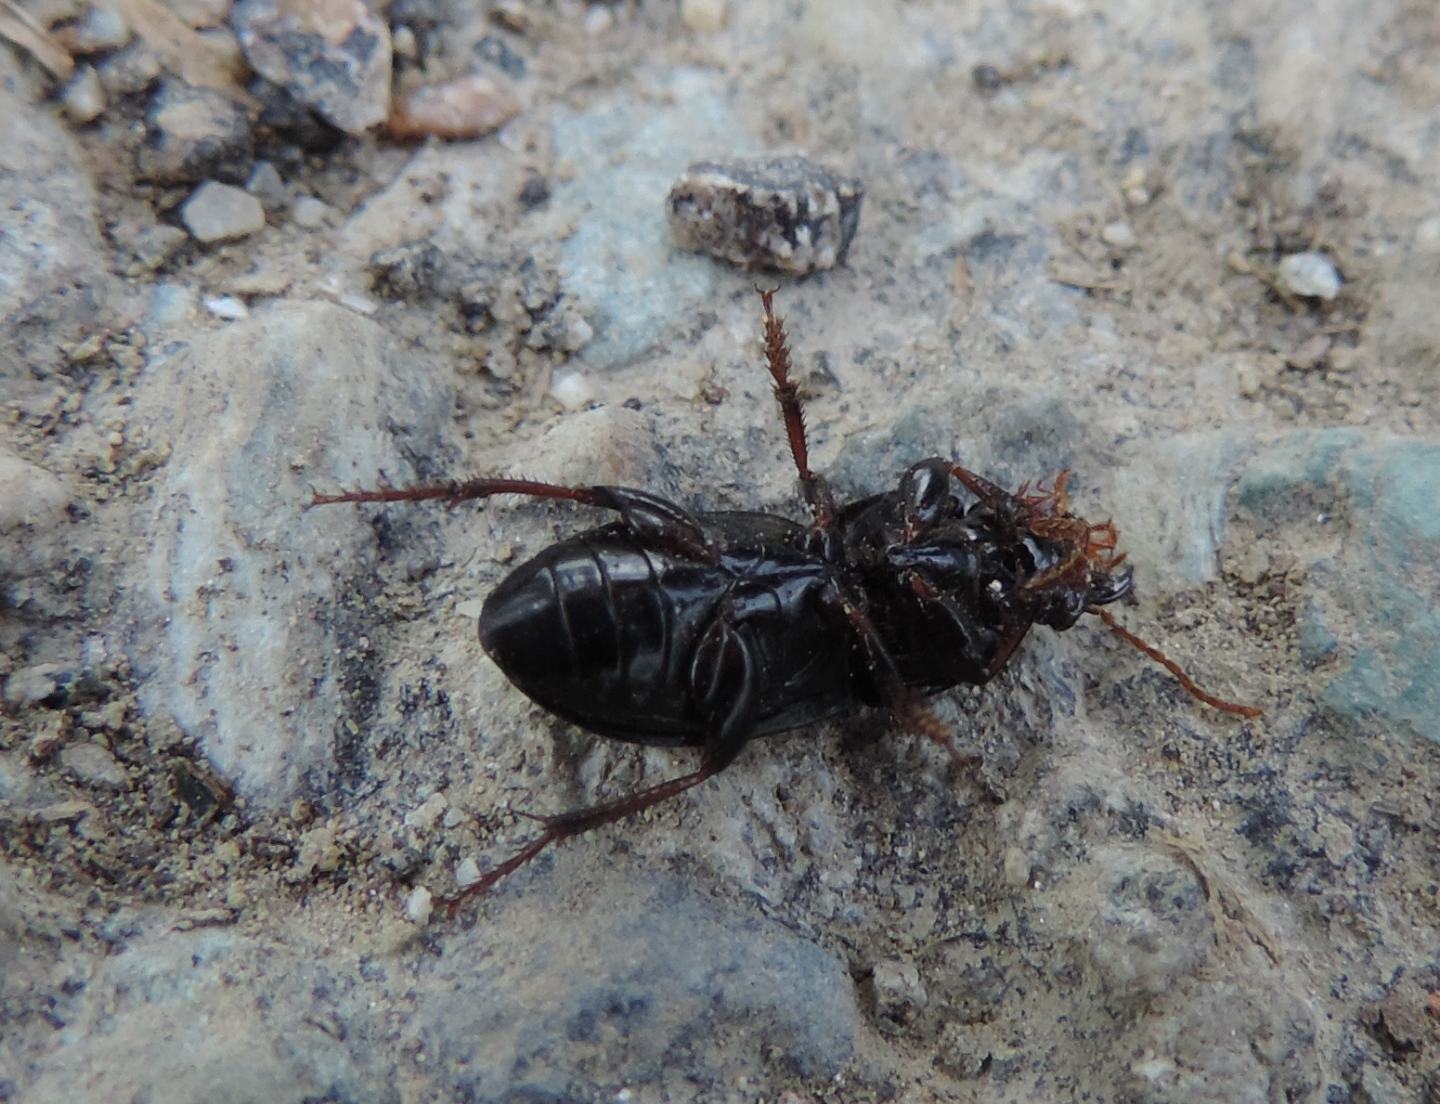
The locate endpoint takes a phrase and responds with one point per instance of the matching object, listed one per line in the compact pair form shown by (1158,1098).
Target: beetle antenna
(1174,668)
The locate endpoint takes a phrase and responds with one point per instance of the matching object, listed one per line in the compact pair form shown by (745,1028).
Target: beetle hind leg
(724,683)
(562,826)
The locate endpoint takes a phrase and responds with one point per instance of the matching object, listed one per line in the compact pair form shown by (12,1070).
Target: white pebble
(598,19)
(402,42)
(228,308)
(103,29)
(171,304)
(572,390)
(84,96)
(418,906)
(1119,235)
(703,15)
(219,212)
(467,873)
(1311,275)
(309,213)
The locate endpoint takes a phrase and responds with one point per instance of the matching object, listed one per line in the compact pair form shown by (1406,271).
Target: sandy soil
(240,738)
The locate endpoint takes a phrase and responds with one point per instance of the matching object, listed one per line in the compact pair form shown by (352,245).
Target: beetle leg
(882,663)
(649,516)
(787,394)
(991,494)
(916,715)
(724,682)
(1190,685)
(908,707)
(565,825)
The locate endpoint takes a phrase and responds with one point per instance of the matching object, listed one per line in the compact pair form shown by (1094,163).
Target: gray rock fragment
(195,134)
(334,57)
(219,212)
(94,766)
(1311,275)
(900,994)
(84,97)
(785,213)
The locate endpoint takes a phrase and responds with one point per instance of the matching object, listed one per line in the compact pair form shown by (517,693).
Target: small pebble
(598,19)
(900,995)
(1310,354)
(467,873)
(572,390)
(32,684)
(333,57)
(219,212)
(785,213)
(466,107)
(194,134)
(64,812)
(131,70)
(428,813)
(513,15)
(84,96)
(1310,275)
(1016,868)
(228,308)
(1118,235)
(418,906)
(402,41)
(309,213)
(94,766)
(575,334)
(703,15)
(267,185)
(153,246)
(171,304)
(101,30)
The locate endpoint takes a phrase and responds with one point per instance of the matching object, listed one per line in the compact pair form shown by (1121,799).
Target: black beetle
(705,630)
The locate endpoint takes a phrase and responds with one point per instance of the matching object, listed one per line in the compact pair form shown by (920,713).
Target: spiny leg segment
(563,826)
(787,394)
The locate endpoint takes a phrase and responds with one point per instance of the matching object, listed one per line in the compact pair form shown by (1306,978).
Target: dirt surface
(241,740)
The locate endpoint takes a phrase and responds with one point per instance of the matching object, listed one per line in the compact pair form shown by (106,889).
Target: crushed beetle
(670,628)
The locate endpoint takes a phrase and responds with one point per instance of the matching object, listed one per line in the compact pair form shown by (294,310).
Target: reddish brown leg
(916,715)
(909,708)
(459,491)
(1174,668)
(648,515)
(992,494)
(787,394)
(565,825)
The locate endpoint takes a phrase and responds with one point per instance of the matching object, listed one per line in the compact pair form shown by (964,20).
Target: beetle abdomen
(600,630)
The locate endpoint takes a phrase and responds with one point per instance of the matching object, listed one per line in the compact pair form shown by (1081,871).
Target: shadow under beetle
(670,628)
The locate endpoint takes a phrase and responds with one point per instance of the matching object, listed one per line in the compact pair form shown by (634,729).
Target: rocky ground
(242,742)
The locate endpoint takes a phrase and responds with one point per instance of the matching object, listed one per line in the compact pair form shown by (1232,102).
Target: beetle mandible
(671,628)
